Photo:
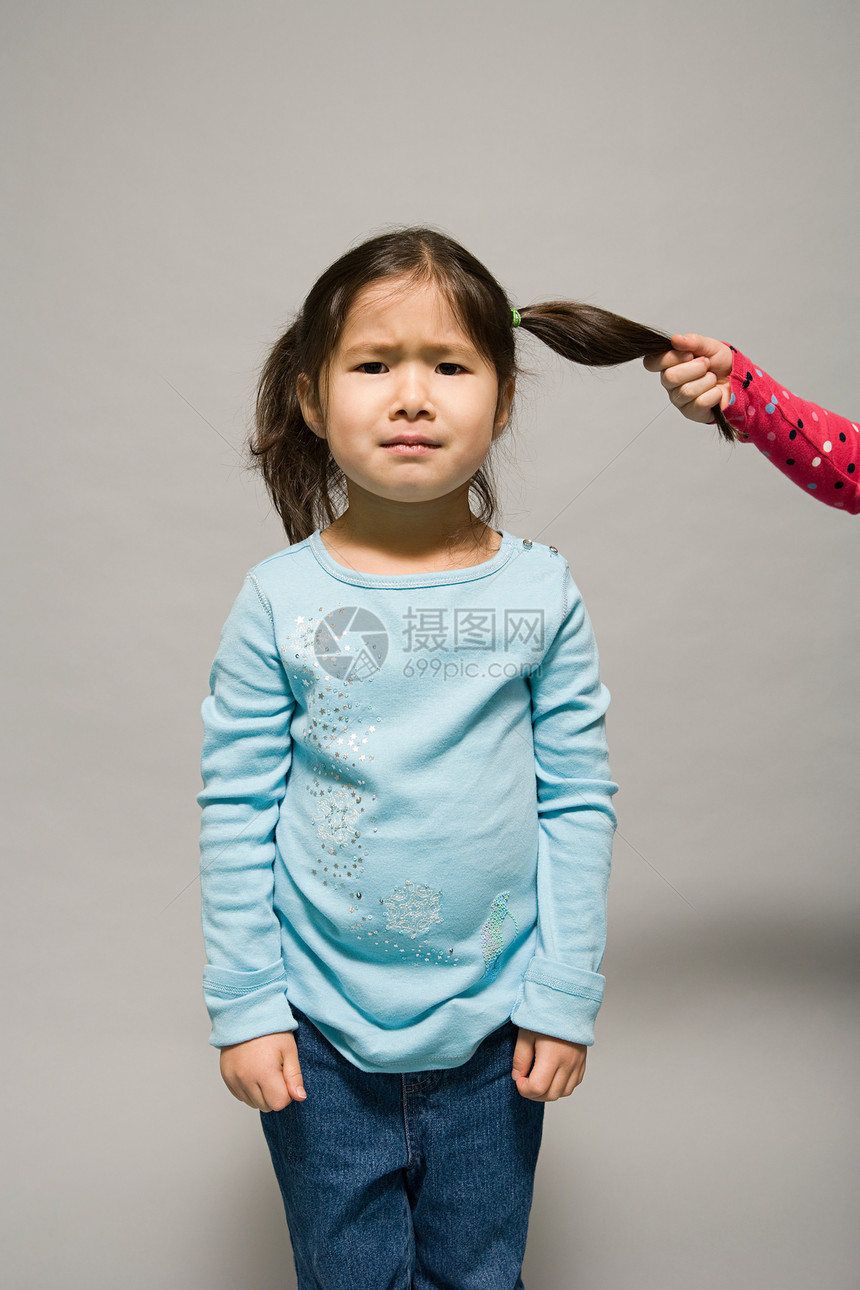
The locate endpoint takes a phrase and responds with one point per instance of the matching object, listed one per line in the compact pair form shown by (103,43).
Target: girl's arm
(562,987)
(246,757)
(818,450)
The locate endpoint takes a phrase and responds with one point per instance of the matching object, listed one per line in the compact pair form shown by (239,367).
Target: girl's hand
(264,1072)
(559,1066)
(696,374)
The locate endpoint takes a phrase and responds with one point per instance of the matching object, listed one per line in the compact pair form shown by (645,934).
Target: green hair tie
(516,319)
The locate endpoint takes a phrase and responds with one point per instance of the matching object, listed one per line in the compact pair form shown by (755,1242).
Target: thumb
(292,1072)
(524,1054)
(718,355)
(699,346)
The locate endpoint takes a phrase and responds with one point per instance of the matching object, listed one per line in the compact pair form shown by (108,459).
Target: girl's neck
(403,539)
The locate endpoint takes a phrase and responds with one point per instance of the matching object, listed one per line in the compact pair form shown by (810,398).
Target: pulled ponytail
(597,338)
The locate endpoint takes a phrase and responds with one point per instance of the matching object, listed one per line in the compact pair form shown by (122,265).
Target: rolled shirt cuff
(559,1000)
(244,1005)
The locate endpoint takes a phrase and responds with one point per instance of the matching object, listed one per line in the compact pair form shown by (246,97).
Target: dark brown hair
(303,480)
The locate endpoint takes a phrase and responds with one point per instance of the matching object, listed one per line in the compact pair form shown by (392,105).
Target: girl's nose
(412,398)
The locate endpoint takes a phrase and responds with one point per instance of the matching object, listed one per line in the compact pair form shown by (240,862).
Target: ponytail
(597,338)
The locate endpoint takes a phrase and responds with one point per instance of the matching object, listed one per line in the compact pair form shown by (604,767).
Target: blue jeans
(420,1181)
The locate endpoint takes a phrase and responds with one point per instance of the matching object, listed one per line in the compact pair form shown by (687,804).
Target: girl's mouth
(401,447)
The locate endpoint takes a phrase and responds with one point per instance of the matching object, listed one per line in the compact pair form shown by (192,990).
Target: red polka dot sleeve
(817,449)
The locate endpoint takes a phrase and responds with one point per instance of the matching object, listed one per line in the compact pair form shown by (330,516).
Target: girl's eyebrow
(384,347)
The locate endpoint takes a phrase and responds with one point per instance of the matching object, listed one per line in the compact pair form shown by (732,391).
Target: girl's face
(405,370)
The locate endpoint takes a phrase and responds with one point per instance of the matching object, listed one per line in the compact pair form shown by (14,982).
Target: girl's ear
(308,404)
(506,398)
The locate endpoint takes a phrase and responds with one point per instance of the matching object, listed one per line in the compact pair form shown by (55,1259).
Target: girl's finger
(683,372)
(659,362)
(292,1074)
(700,345)
(681,395)
(558,1085)
(538,1083)
(575,1077)
(259,1101)
(524,1055)
(687,340)
(710,399)
(237,1090)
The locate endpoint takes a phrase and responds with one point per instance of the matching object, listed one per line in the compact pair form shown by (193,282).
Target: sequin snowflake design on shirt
(492,938)
(339,729)
(338,816)
(342,726)
(412,909)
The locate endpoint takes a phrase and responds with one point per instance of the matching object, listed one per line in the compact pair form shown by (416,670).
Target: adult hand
(696,374)
(546,1068)
(264,1072)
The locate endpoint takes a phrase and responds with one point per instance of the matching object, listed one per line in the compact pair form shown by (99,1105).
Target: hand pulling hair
(597,338)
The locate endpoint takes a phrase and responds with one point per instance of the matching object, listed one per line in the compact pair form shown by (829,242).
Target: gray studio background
(177,176)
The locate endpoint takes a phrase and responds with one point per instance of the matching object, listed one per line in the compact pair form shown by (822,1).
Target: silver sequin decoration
(338,816)
(412,909)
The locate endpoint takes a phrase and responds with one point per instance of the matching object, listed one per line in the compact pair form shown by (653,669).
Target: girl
(406,813)
(817,449)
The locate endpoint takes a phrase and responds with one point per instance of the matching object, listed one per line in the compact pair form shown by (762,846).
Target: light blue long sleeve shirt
(406,808)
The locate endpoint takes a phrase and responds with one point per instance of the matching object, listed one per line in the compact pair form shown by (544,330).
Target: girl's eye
(375,368)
